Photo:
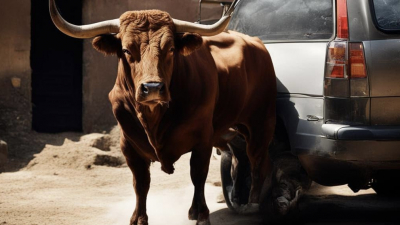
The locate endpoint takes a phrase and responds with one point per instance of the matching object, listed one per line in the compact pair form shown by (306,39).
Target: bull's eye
(126,51)
(172,49)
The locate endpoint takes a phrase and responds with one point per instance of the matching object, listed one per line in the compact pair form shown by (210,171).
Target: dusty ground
(60,179)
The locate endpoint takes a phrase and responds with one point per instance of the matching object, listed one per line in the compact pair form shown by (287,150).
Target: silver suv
(337,64)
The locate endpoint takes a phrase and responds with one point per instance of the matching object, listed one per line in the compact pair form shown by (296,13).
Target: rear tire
(235,193)
(226,179)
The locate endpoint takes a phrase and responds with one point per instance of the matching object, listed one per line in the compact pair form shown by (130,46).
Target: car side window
(387,13)
(284,19)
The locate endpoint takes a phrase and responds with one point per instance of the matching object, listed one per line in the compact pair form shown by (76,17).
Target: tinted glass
(387,14)
(284,19)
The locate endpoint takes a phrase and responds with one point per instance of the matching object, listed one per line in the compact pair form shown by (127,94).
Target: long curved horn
(206,30)
(84,31)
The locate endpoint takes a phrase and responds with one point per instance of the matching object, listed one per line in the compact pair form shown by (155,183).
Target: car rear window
(284,19)
(387,13)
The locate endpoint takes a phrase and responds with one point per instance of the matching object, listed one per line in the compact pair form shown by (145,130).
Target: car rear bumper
(347,154)
(362,143)
(346,132)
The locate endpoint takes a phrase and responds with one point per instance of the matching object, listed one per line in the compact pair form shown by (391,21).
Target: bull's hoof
(142,223)
(249,208)
(203,222)
(139,221)
(193,214)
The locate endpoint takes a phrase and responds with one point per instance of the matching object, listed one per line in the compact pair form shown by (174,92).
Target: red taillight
(346,87)
(338,71)
(357,61)
(341,19)
(337,60)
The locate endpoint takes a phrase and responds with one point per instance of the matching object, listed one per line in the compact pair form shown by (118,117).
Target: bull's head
(146,41)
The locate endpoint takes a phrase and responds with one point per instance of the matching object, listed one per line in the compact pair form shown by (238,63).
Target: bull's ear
(188,43)
(107,44)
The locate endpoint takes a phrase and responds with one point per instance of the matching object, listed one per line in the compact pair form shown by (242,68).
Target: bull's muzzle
(152,88)
(153,93)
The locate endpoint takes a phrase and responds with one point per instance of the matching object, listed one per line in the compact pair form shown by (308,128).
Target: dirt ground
(61,179)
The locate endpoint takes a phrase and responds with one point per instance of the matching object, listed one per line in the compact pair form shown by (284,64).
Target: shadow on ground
(319,207)
(228,217)
(23,146)
(338,209)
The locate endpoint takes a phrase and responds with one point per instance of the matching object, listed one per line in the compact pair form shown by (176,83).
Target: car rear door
(376,23)
(296,34)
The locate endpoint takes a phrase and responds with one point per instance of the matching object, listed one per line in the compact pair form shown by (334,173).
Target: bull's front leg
(141,182)
(199,163)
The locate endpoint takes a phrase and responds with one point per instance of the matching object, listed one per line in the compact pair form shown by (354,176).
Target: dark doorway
(56,62)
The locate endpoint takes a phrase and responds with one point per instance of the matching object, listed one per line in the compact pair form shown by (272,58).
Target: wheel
(235,174)
(387,183)
(226,179)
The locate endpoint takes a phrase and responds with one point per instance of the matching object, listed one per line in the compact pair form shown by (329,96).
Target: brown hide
(228,80)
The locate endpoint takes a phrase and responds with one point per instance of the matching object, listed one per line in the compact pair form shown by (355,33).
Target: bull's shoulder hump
(231,39)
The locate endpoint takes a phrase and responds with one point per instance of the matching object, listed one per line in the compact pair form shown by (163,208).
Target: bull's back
(246,75)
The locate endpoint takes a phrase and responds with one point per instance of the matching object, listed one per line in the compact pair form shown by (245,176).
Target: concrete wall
(15,70)
(3,154)
(99,72)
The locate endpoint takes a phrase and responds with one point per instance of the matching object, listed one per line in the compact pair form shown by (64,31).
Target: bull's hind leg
(141,182)
(240,172)
(258,138)
(199,163)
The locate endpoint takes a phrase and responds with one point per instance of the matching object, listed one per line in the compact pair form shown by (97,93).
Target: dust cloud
(170,205)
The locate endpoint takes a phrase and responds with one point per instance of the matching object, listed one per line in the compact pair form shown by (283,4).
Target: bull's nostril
(152,88)
(145,90)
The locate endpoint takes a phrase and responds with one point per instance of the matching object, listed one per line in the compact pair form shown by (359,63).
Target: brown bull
(178,92)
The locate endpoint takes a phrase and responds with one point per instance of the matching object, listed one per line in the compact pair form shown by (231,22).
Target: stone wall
(15,70)
(3,154)
(99,72)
